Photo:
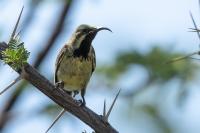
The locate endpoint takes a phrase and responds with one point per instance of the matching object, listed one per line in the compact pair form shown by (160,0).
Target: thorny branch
(41,56)
(64,100)
(30,74)
(104,117)
(195,29)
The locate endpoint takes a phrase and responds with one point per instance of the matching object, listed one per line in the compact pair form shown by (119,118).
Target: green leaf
(15,55)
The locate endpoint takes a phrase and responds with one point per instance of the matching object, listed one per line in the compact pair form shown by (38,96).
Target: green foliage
(154,112)
(154,62)
(15,55)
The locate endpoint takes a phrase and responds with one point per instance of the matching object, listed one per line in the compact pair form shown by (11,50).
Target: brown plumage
(76,61)
(74,72)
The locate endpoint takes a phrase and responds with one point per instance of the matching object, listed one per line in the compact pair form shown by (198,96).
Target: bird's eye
(85,30)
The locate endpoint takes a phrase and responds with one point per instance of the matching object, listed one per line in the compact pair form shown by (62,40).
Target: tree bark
(59,96)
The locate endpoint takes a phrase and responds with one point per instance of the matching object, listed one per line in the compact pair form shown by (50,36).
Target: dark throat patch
(84,48)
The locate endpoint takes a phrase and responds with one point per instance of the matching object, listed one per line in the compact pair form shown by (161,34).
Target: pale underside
(75,72)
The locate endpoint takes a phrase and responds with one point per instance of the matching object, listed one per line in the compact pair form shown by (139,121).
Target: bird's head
(84,35)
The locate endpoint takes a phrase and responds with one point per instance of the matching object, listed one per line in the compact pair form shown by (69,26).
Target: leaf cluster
(154,62)
(16,54)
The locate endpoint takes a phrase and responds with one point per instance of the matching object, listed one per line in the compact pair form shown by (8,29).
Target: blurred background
(155,97)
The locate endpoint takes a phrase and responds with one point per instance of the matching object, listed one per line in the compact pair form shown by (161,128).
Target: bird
(76,61)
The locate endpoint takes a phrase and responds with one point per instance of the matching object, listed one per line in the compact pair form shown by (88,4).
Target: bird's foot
(75,93)
(60,85)
(81,103)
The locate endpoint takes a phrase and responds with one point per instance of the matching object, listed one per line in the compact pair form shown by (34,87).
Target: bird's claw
(81,103)
(60,85)
(75,93)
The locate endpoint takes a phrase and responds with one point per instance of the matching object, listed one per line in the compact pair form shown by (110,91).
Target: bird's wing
(64,51)
(93,59)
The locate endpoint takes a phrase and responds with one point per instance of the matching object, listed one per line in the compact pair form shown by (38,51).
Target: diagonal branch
(64,100)
(10,85)
(41,56)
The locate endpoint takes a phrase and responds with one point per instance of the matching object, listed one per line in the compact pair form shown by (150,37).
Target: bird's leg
(75,93)
(80,102)
(83,98)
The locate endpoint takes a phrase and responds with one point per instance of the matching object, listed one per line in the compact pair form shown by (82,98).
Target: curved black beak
(103,28)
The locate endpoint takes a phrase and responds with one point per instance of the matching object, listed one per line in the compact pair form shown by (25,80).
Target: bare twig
(63,99)
(195,29)
(193,58)
(105,115)
(12,36)
(10,85)
(41,56)
(57,118)
(104,108)
(17,23)
(199,5)
(195,25)
(67,102)
(111,107)
(182,57)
